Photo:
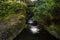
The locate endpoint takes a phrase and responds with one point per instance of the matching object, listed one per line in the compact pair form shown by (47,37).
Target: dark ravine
(26,34)
(42,35)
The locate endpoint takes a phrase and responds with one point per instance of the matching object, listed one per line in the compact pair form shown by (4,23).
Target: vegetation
(7,8)
(47,13)
(13,15)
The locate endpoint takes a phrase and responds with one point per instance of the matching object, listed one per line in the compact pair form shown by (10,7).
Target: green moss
(10,8)
(13,15)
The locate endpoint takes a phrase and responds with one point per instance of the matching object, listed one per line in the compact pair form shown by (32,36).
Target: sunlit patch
(34,30)
(33,0)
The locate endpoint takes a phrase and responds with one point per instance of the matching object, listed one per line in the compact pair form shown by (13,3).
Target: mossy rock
(12,18)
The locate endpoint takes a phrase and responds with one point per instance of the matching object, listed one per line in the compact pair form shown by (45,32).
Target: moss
(12,16)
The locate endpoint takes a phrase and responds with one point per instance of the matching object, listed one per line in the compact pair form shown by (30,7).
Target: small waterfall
(34,33)
(32,25)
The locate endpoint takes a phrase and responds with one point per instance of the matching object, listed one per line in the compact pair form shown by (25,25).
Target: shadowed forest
(29,19)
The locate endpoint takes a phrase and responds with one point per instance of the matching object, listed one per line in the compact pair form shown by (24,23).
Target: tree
(48,11)
(42,9)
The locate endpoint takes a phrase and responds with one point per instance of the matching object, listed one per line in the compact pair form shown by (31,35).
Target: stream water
(26,34)
(34,33)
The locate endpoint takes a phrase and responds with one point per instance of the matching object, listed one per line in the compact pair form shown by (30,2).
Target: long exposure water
(34,33)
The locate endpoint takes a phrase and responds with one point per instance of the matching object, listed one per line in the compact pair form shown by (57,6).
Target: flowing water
(34,33)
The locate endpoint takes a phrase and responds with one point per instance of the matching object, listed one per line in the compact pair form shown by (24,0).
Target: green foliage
(48,11)
(12,16)
(42,8)
(7,7)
